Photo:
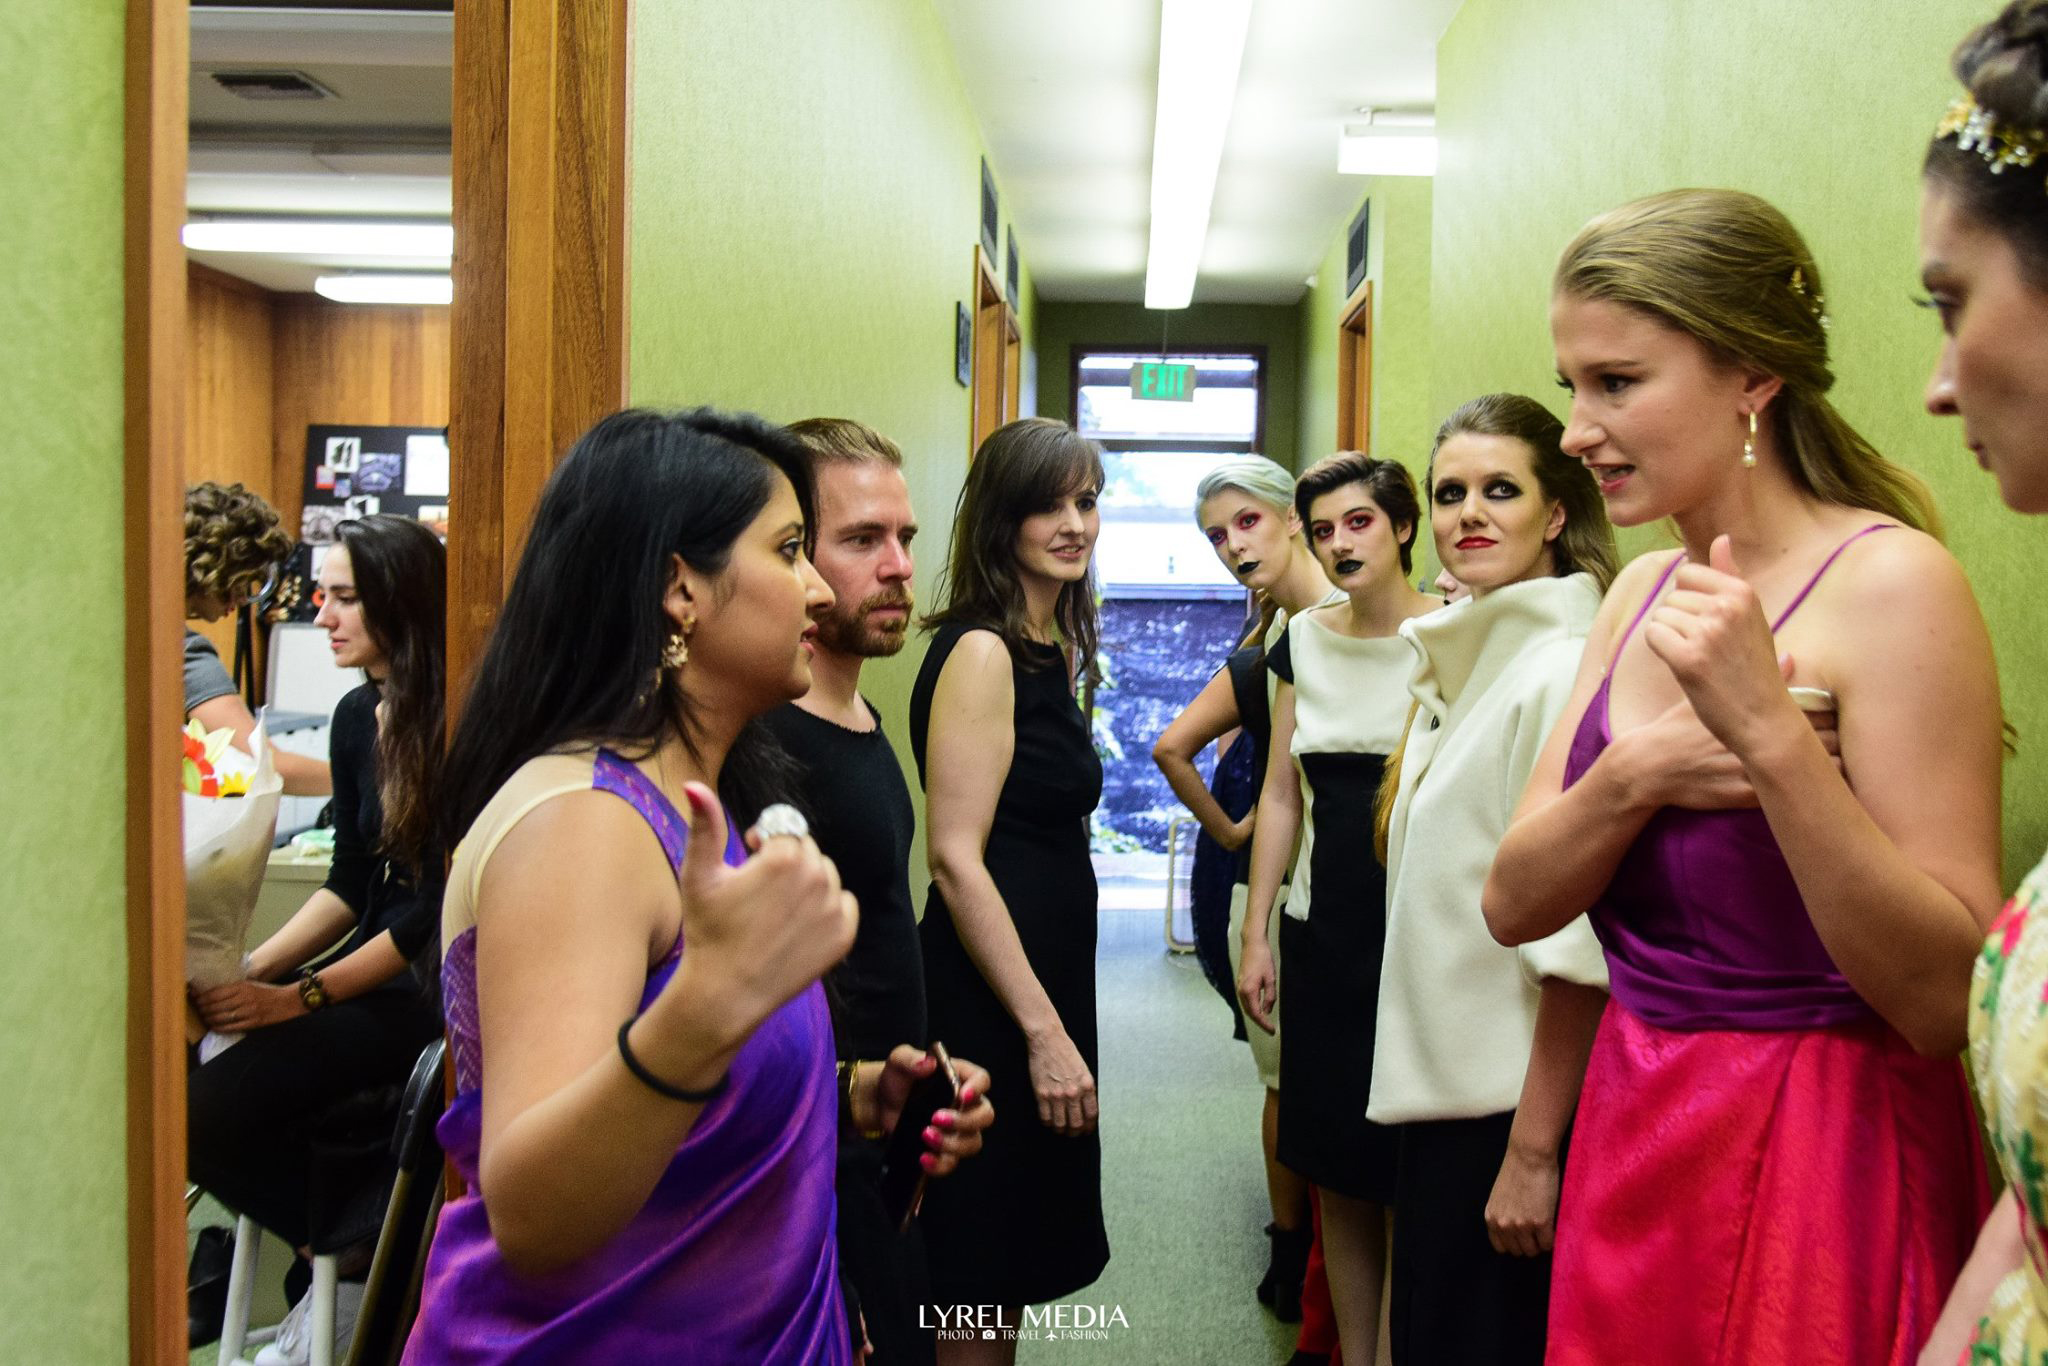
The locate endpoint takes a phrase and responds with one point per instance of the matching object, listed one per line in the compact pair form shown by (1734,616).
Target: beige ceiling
(1064,90)
(377,149)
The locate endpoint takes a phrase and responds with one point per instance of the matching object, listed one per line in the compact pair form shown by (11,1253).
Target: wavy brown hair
(232,540)
(1389,483)
(1022,468)
(1730,271)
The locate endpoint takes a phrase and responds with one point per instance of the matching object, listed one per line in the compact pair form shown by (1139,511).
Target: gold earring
(676,652)
(1749,445)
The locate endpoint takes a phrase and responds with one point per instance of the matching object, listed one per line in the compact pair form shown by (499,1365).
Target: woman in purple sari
(646,1101)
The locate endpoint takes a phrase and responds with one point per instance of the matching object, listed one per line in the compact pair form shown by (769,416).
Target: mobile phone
(903,1173)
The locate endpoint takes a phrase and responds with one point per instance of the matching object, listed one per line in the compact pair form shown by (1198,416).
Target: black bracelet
(662,1088)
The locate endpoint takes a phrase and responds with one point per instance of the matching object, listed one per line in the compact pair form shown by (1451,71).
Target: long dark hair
(577,646)
(1022,468)
(401,574)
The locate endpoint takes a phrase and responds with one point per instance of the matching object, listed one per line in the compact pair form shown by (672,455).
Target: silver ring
(782,819)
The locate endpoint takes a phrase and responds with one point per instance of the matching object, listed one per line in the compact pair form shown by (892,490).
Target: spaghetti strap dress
(1762,1169)
(1021,1223)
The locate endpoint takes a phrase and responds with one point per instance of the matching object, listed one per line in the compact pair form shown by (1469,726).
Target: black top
(861,816)
(383,895)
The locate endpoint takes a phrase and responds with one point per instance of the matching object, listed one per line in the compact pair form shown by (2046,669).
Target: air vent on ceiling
(272,85)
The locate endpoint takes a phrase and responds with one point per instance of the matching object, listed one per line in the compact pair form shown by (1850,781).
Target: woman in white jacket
(1480,1049)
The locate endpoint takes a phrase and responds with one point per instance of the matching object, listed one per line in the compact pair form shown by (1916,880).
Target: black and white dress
(1350,708)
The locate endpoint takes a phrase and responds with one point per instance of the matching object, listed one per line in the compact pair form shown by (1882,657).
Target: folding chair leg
(234,1326)
(322,1322)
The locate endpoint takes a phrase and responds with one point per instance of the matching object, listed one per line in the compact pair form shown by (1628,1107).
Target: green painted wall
(1404,415)
(63,944)
(1062,326)
(1551,113)
(806,198)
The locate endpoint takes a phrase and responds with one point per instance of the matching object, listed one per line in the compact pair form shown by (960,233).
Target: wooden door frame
(539,318)
(1354,373)
(153,383)
(540,264)
(992,320)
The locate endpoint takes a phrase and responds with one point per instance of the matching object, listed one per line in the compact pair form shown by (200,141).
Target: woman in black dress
(1010,776)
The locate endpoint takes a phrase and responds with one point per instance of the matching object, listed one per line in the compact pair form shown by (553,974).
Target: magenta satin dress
(732,1261)
(1762,1170)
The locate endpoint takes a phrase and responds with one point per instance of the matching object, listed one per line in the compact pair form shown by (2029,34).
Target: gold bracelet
(851,1069)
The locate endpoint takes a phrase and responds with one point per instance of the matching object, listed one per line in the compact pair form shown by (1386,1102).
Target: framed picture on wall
(963,345)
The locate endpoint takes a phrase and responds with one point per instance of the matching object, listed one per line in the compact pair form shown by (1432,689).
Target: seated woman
(233,545)
(646,1108)
(359,1020)
(1481,1048)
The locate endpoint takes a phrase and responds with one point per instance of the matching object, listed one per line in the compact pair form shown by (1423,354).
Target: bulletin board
(356,471)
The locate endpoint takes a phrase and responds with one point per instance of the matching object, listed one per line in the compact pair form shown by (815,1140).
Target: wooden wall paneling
(379,366)
(153,353)
(540,275)
(230,390)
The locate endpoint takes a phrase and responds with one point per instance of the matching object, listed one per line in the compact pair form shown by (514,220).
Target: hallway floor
(1184,1192)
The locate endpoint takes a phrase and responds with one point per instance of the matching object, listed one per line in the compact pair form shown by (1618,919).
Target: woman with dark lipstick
(1339,711)
(1479,1049)
(1246,509)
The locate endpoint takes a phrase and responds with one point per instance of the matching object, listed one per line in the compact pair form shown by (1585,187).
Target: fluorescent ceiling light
(385,289)
(318,237)
(1201,48)
(1381,150)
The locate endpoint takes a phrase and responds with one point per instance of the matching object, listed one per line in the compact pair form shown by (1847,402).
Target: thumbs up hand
(759,934)
(1711,631)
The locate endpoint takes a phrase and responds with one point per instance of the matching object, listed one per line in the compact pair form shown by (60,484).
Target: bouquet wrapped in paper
(230,819)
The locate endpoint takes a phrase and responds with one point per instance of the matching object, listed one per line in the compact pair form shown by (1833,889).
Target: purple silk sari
(731,1260)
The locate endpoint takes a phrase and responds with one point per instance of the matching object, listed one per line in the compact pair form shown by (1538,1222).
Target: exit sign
(1157,379)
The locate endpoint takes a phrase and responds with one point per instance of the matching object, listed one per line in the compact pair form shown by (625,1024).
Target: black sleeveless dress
(1020,1223)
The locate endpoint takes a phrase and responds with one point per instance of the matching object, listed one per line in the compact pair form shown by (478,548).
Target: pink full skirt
(1744,1199)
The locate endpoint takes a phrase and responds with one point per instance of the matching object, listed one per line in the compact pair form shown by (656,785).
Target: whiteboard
(303,676)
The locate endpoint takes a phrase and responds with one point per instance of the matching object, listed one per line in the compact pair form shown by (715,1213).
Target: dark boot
(1290,1267)
(1301,1358)
(1265,1287)
(206,1285)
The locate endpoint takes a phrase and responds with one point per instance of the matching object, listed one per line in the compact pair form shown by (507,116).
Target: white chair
(235,1333)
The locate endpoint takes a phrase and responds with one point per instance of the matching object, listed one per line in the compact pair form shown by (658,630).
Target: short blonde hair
(843,440)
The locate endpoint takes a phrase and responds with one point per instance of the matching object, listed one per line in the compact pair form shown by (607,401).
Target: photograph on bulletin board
(357,471)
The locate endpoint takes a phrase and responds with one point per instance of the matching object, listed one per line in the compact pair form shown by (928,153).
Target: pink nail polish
(931,1136)
(928,1162)
(945,1119)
